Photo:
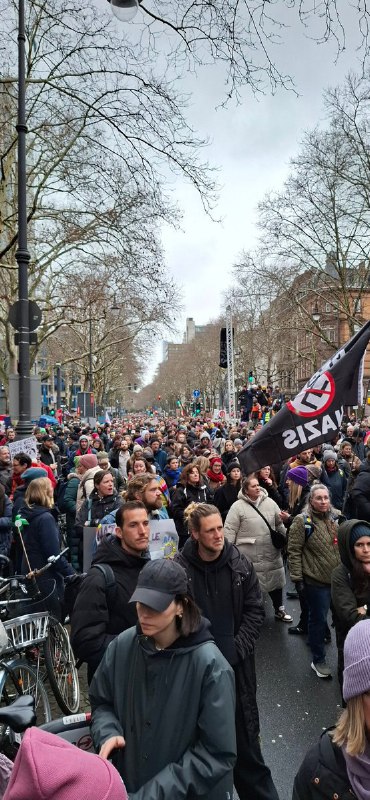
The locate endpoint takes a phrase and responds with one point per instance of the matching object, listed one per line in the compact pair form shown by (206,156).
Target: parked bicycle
(52,650)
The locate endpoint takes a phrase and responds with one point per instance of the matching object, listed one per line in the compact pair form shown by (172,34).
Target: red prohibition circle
(327,394)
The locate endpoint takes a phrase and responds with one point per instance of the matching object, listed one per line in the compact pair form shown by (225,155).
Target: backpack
(60,494)
(73,585)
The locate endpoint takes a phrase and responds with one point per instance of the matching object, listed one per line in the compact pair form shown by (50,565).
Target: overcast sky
(251,144)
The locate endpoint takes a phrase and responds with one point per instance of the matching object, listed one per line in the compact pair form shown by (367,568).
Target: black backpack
(73,585)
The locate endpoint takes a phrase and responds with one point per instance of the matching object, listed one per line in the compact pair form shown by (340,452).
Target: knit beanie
(101,456)
(238,441)
(32,473)
(232,465)
(204,435)
(298,475)
(215,460)
(356,675)
(314,472)
(81,439)
(89,461)
(361,529)
(48,767)
(329,454)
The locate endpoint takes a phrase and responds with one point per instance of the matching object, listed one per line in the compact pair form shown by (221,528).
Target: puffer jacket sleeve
(343,599)
(253,611)
(70,495)
(232,524)
(296,542)
(212,755)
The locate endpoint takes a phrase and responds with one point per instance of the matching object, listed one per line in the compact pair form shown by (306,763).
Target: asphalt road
(295,705)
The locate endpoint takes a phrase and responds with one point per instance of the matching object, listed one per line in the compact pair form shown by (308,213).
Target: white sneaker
(322,670)
(283,616)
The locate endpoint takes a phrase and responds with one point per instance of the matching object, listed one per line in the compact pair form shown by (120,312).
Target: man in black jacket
(224,584)
(96,620)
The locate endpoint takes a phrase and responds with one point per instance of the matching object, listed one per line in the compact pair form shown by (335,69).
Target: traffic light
(52,412)
(178,402)
(135,387)
(197,408)
(250,376)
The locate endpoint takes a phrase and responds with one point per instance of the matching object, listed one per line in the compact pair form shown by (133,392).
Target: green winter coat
(176,711)
(313,558)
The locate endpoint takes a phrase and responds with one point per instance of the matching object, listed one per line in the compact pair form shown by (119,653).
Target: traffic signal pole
(230,362)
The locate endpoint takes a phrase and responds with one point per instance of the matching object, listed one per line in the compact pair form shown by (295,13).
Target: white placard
(27,446)
(163,541)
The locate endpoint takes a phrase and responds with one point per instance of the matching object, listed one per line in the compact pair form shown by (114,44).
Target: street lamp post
(24,427)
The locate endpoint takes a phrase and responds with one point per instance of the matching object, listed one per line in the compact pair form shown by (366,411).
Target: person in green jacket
(163,697)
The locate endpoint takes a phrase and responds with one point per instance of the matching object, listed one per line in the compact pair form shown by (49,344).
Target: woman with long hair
(163,697)
(191,489)
(227,494)
(338,766)
(41,540)
(350,581)
(267,480)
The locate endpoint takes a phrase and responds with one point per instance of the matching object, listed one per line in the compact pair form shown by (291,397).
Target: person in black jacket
(41,540)
(339,765)
(93,624)
(227,494)
(350,582)
(191,489)
(224,584)
(360,493)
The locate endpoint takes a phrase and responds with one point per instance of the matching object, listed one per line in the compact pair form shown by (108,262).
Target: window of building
(329,334)
(357,306)
(328,308)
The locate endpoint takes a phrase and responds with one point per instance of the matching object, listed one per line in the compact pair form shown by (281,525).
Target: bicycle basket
(26,631)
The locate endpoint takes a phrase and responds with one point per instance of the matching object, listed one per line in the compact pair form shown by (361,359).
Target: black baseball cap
(158,584)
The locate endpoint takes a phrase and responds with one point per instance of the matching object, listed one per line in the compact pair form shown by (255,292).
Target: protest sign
(163,538)
(27,446)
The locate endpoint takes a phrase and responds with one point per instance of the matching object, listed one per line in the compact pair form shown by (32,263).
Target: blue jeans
(318,599)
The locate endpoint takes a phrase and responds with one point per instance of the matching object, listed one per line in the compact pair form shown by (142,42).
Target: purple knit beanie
(47,766)
(298,475)
(356,675)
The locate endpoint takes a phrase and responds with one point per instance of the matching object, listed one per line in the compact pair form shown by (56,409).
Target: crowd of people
(148,627)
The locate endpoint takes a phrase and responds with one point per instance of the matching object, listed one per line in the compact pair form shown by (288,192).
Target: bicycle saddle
(20,714)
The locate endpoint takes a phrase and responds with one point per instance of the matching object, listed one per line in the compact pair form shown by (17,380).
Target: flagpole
(230,361)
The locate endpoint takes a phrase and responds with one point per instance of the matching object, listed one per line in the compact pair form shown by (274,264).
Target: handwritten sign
(163,538)
(27,446)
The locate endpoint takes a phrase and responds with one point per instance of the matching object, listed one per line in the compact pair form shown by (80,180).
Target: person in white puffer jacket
(246,528)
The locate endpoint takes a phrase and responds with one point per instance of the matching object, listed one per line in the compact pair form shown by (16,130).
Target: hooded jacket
(246,528)
(233,575)
(225,496)
(323,773)
(176,709)
(360,493)
(345,601)
(41,540)
(95,508)
(93,624)
(86,486)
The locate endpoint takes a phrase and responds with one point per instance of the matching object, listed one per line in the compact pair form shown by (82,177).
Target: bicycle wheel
(61,668)
(27,682)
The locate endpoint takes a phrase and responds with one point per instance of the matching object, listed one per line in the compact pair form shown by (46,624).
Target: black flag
(316,413)
(223,349)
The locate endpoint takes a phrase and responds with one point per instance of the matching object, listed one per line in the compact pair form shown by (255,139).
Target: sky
(251,145)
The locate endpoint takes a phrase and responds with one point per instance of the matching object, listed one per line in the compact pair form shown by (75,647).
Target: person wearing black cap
(350,582)
(163,697)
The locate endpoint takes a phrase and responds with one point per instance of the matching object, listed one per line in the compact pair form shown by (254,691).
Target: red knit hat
(49,767)
(89,461)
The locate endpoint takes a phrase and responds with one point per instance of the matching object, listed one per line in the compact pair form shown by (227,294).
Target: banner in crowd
(27,446)
(315,414)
